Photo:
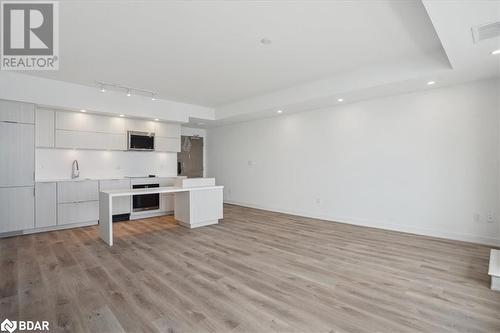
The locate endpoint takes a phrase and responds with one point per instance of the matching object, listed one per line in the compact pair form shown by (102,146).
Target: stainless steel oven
(144,202)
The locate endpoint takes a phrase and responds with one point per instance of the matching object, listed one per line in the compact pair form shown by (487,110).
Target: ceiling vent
(485,31)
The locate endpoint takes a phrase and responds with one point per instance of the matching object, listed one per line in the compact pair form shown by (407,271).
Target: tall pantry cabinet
(17,166)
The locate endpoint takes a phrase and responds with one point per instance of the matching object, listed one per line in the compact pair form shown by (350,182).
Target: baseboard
(145,215)
(46,229)
(490,241)
(197,225)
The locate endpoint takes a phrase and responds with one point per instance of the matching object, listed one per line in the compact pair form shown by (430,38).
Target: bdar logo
(8,326)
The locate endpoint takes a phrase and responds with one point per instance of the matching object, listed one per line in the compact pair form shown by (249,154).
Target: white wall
(424,162)
(56,163)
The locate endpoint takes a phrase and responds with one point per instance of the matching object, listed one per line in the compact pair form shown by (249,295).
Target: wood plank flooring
(257,271)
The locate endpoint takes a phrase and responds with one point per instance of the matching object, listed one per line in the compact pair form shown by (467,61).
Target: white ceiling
(209,52)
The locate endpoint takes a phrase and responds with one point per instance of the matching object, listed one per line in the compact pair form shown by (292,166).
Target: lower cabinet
(77,212)
(16,208)
(45,205)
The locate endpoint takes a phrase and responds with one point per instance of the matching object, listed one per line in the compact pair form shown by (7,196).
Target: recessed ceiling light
(122,115)
(340,99)
(128,93)
(495,52)
(156,119)
(83,110)
(153,97)
(265,41)
(279,111)
(430,83)
(101,88)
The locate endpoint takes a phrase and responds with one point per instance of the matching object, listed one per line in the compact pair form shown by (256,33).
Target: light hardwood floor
(257,271)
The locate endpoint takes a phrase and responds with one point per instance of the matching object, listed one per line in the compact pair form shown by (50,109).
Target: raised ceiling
(209,52)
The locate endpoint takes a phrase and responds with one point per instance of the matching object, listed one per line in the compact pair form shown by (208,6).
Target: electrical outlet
(490,218)
(318,200)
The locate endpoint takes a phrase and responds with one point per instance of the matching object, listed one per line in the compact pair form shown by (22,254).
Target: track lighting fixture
(129,90)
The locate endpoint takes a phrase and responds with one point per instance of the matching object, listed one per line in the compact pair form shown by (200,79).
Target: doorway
(190,159)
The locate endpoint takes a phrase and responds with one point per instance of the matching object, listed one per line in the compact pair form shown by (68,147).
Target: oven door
(144,202)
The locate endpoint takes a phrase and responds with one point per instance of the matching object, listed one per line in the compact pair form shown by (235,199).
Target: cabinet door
(17,154)
(168,130)
(76,121)
(121,205)
(77,191)
(168,144)
(16,209)
(44,128)
(45,205)
(90,140)
(140,125)
(77,212)
(17,112)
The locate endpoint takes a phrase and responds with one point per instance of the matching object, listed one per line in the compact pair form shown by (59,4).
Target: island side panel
(206,207)
(181,208)
(106,217)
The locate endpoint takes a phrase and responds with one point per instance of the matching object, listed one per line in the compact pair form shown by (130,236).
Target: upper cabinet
(75,121)
(172,145)
(77,130)
(89,131)
(90,140)
(168,130)
(44,128)
(140,125)
(17,112)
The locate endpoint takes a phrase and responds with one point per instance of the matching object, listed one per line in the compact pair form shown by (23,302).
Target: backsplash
(56,163)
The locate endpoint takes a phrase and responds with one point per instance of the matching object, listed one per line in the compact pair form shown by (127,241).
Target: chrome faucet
(75,170)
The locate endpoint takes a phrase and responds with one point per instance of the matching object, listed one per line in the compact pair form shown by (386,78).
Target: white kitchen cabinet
(90,140)
(140,125)
(44,128)
(16,208)
(168,130)
(77,212)
(77,191)
(17,154)
(45,205)
(121,205)
(77,121)
(17,112)
(167,144)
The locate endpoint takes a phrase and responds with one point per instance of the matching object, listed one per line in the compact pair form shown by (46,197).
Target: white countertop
(154,190)
(55,180)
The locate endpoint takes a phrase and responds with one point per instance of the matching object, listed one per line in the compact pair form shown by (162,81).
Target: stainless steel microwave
(141,140)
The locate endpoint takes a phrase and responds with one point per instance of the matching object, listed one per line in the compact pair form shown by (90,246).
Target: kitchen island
(198,203)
